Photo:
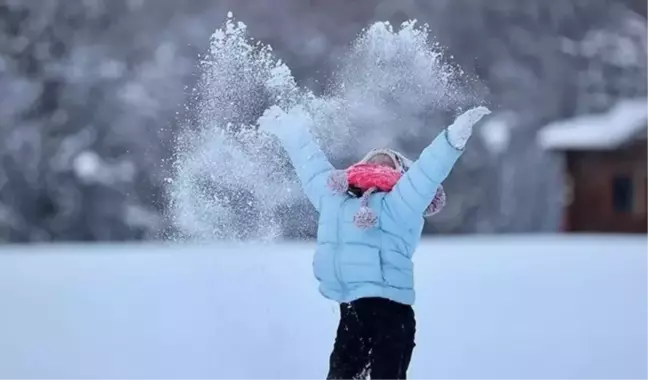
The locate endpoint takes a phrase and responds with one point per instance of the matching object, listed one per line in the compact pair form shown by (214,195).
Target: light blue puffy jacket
(352,263)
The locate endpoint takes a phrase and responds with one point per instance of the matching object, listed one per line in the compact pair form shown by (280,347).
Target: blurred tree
(87,89)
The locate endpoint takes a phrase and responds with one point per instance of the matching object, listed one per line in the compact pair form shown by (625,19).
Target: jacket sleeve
(312,167)
(416,189)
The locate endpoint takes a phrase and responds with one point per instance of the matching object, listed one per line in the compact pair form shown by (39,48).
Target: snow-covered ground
(521,307)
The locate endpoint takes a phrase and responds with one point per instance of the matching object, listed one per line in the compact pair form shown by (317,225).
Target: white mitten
(459,132)
(282,124)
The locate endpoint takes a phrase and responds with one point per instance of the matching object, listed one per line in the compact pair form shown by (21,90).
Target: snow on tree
(611,61)
(83,119)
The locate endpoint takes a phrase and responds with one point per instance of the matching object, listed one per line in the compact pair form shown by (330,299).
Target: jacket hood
(400,162)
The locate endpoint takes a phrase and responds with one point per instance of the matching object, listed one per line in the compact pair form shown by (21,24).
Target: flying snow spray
(232,183)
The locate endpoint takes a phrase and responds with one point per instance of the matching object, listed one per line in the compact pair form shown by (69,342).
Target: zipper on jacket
(336,254)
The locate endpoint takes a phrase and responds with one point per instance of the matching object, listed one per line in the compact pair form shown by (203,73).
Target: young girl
(370,222)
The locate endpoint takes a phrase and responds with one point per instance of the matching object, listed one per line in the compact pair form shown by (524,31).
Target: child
(370,223)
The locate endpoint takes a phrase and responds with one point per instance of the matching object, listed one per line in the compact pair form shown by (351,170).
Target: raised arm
(417,187)
(312,167)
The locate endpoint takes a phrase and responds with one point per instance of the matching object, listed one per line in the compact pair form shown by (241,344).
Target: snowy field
(525,307)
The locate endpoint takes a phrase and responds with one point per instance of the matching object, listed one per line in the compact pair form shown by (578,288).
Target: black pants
(375,337)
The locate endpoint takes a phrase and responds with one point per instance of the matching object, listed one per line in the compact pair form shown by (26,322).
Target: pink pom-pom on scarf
(365,218)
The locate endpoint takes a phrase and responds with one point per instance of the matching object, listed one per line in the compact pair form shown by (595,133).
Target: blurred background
(94,93)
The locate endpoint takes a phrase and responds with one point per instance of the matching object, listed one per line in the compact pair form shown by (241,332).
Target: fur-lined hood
(400,162)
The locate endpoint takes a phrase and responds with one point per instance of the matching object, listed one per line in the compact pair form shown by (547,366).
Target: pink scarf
(367,176)
(370,178)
